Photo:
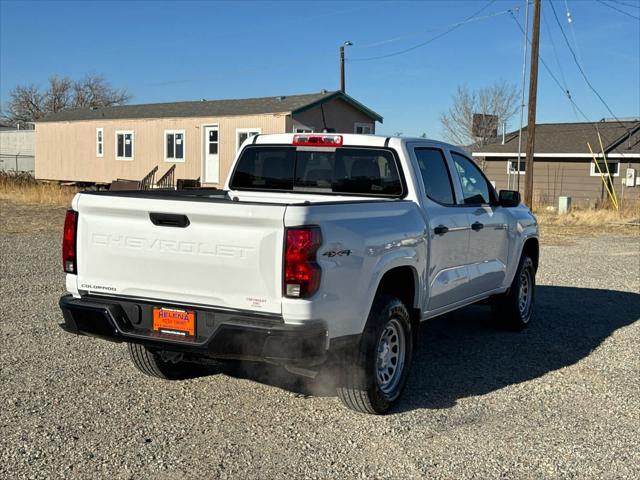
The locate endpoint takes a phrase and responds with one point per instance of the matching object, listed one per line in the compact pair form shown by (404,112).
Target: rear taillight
(301,271)
(69,242)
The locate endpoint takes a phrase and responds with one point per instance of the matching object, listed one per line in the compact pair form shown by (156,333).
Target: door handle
(477,226)
(440,230)
(169,220)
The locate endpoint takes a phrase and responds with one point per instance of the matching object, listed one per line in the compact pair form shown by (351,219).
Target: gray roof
(571,138)
(209,108)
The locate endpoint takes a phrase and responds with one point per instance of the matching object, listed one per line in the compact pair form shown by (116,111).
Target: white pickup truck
(320,246)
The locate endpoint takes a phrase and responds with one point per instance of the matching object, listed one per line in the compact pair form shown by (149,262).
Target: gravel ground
(559,400)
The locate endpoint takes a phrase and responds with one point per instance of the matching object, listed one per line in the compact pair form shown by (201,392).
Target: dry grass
(559,229)
(591,217)
(23,188)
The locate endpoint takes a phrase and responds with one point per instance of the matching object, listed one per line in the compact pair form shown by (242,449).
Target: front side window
(174,145)
(435,175)
(243,134)
(364,128)
(350,171)
(124,145)
(475,188)
(614,168)
(99,142)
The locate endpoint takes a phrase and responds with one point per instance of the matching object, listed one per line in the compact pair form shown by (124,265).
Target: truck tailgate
(229,255)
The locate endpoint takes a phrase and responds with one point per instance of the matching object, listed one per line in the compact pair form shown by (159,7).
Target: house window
(512,166)
(174,145)
(614,168)
(302,129)
(124,145)
(364,128)
(243,133)
(99,142)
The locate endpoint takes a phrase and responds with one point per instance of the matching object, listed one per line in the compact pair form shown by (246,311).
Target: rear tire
(151,363)
(513,310)
(375,372)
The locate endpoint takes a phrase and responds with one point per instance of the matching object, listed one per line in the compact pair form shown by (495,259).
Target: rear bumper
(219,333)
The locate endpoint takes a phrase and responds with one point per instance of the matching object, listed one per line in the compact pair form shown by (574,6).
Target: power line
(618,9)
(567,93)
(626,4)
(555,53)
(544,64)
(440,35)
(422,32)
(245,69)
(584,75)
(573,30)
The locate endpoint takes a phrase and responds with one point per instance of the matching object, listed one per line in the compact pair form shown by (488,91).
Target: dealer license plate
(181,323)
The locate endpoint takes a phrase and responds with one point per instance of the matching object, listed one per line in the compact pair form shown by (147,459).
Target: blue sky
(168,51)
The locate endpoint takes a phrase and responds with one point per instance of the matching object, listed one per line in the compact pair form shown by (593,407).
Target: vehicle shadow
(464,354)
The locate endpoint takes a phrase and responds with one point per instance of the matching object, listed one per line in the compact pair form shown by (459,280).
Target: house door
(211,163)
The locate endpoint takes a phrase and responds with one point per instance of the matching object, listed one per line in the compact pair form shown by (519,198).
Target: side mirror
(509,198)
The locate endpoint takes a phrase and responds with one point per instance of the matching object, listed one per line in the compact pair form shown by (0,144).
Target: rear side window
(265,168)
(363,171)
(435,175)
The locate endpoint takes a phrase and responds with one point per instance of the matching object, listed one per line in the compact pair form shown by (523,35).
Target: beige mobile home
(200,138)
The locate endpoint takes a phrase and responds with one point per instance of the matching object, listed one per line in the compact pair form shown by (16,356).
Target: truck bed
(195,247)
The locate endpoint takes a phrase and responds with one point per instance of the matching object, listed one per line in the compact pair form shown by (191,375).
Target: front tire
(514,309)
(151,363)
(375,372)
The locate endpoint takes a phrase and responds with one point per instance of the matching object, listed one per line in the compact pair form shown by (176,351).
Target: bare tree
(94,91)
(59,95)
(499,99)
(26,104)
(30,103)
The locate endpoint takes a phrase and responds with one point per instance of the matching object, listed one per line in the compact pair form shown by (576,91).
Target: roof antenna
(324,121)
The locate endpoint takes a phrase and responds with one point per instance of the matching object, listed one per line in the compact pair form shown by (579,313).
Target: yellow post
(606,164)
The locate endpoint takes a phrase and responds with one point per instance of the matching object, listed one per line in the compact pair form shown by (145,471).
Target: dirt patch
(30,218)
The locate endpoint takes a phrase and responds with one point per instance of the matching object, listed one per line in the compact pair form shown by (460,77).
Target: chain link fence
(17,163)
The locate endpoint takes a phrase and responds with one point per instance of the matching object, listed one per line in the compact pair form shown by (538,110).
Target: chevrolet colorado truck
(320,246)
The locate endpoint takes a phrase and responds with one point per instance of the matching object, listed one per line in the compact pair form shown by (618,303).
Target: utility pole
(342,68)
(522,104)
(531,119)
(345,44)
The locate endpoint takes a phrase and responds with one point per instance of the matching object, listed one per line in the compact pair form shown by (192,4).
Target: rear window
(358,171)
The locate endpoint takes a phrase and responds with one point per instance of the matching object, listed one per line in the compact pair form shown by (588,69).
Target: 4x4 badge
(338,253)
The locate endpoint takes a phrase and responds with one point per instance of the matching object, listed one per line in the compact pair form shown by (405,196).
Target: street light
(345,44)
